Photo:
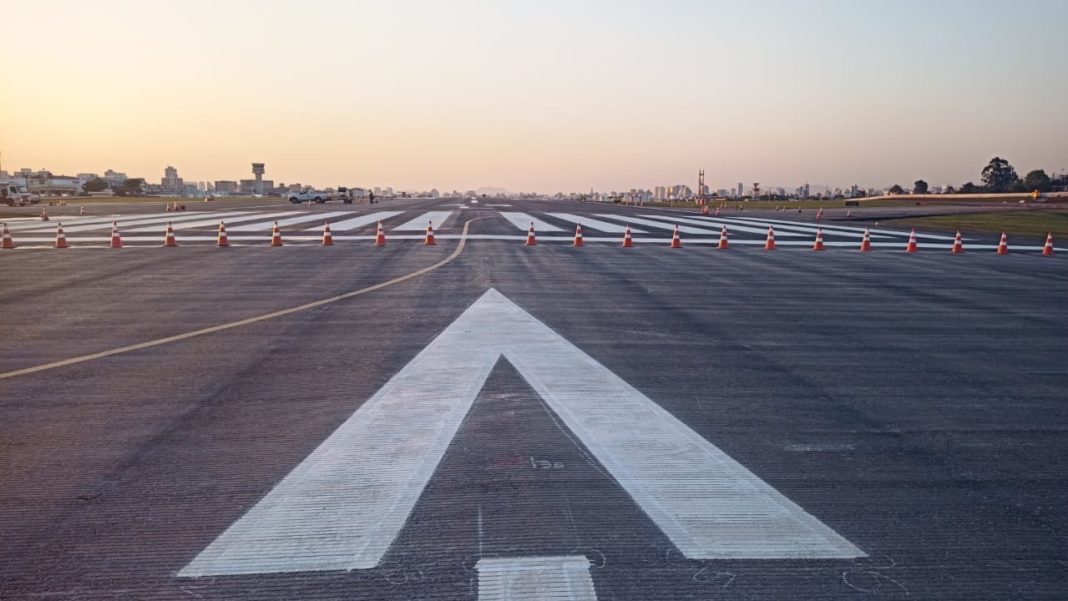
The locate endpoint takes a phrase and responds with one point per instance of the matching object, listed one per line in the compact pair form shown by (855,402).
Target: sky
(539,96)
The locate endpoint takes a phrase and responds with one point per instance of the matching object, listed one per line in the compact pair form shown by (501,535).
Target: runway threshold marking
(243,322)
(343,506)
(563,578)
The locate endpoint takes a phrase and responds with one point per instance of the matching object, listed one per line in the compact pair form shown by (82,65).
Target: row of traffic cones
(169,239)
(769,243)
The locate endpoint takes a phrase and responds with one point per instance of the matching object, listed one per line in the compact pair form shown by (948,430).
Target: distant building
(225,186)
(114,178)
(741,190)
(171,183)
(255,186)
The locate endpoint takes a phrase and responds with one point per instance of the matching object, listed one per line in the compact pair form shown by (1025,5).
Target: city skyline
(544,98)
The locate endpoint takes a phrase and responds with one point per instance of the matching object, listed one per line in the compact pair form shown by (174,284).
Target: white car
(307,195)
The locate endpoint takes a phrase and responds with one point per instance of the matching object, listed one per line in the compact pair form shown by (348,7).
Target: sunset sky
(536,95)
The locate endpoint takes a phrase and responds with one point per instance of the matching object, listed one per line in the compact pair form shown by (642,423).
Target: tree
(969,188)
(920,187)
(950,190)
(1038,180)
(95,185)
(999,175)
(132,186)
(896,189)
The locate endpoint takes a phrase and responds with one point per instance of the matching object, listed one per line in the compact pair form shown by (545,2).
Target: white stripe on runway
(595,224)
(267,225)
(522,222)
(711,221)
(563,578)
(808,228)
(438,218)
(669,225)
(214,221)
(104,222)
(362,220)
(38,225)
(342,507)
(128,223)
(829,228)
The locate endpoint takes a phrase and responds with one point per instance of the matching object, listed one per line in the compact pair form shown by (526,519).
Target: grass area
(1035,223)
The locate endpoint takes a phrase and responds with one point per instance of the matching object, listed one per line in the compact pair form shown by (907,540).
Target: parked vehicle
(307,195)
(16,195)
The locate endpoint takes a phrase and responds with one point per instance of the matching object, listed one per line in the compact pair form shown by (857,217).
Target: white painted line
(362,220)
(215,219)
(828,228)
(37,225)
(104,223)
(562,578)
(438,218)
(268,225)
(788,229)
(595,224)
(343,506)
(669,224)
(522,222)
(710,222)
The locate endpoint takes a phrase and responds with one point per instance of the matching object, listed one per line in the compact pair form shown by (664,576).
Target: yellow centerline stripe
(243,322)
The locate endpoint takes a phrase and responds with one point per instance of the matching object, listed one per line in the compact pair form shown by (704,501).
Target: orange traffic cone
(958,246)
(116,241)
(717,211)
(1047,250)
(168,236)
(380,235)
(44,214)
(704,210)
(429,240)
(676,241)
(723,243)
(865,242)
(7,241)
(818,244)
(328,238)
(911,247)
(1003,246)
(627,242)
(81,210)
(61,240)
(530,236)
(222,240)
(578,236)
(276,235)
(769,244)
(819,214)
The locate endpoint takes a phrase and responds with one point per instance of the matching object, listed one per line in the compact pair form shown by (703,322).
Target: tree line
(997,176)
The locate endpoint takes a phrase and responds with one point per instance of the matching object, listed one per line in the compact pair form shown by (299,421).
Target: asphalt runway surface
(913,405)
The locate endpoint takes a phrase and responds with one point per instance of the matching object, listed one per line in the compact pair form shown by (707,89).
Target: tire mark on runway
(244,322)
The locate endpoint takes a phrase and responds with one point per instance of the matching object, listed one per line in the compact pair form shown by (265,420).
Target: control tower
(257,170)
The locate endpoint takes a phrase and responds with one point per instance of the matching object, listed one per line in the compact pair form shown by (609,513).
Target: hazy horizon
(540,97)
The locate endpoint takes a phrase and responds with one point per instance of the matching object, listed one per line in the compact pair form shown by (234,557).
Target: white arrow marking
(564,578)
(343,506)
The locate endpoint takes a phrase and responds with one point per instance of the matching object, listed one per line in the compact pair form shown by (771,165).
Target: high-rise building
(171,183)
(741,190)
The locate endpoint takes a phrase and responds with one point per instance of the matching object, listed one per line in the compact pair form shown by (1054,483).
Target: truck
(14,194)
(307,195)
